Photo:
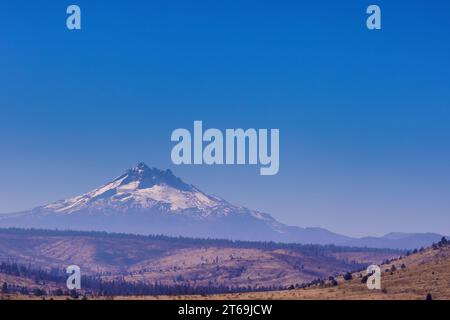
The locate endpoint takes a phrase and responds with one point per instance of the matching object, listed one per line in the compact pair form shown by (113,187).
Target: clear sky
(363,115)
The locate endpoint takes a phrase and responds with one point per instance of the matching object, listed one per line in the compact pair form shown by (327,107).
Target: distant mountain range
(151,201)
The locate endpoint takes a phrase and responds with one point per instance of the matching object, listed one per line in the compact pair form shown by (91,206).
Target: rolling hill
(181,261)
(413,277)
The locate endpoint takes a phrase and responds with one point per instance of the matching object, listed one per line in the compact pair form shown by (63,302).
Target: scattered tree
(59,292)
(4,288)
(39,292)
(364,279)
(348,276)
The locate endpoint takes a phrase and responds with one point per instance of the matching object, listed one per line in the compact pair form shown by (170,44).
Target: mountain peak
(141,166)
(140,187)
(147,177)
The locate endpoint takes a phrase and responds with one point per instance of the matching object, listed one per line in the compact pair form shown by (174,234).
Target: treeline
(184,242)
(96,286)
(38,275)
(124,288)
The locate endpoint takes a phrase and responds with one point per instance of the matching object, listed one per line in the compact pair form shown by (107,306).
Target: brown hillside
(425,272)
(173,261)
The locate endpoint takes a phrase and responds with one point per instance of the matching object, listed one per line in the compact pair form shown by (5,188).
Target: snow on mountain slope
(152,192)
(147,200)
(140,188)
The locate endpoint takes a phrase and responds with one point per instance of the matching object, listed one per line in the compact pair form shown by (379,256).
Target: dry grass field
(173,261)
(426,272)
(403,278)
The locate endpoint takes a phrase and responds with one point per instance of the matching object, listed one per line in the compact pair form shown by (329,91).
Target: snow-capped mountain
(146,200)
(140,188)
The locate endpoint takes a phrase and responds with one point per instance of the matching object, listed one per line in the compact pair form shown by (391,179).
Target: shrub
(5,287)
(364,279)
(39,292)
(59,292)
(348,276)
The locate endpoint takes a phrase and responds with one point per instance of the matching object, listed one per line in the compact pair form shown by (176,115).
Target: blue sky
(363,115)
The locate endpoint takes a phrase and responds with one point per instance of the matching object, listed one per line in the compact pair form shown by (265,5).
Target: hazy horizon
(274,215)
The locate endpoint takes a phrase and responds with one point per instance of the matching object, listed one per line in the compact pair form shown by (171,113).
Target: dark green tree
(4,288)
(348,276)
